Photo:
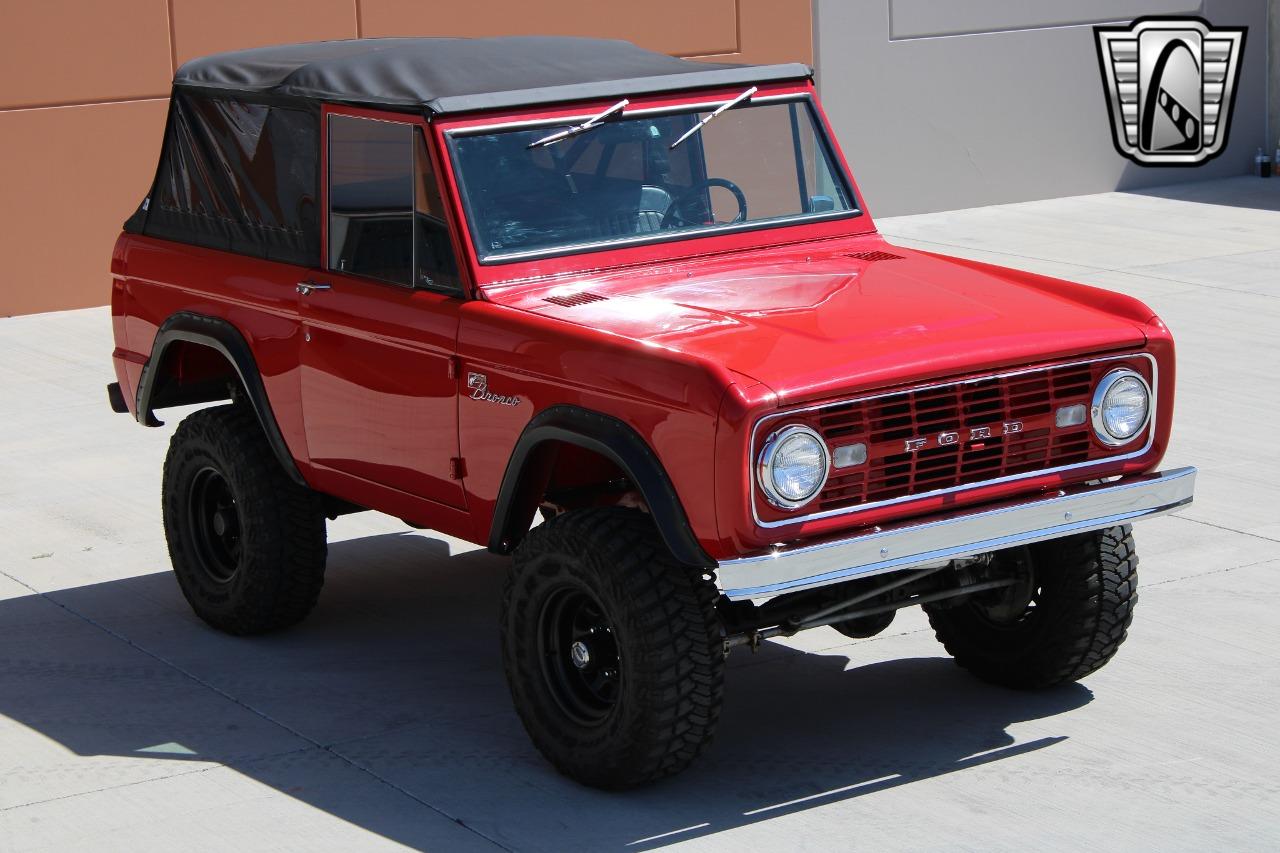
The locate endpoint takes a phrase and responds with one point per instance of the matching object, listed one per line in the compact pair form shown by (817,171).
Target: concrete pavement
(383,720)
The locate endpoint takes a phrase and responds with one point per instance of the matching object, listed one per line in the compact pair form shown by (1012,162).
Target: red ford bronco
(469,283)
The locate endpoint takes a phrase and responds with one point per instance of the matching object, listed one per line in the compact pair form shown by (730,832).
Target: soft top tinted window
(237,176)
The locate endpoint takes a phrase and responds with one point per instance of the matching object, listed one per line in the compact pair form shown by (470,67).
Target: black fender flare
(225,338)
(612,439)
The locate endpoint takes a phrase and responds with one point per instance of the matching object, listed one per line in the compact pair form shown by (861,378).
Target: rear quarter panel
(153,279)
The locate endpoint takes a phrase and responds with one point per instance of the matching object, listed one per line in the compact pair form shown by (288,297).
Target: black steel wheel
(613,651)
(579,655)
(213,524)
(1064,617)
(247,543)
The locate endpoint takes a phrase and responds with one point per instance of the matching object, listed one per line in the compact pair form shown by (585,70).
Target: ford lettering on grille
(943,439)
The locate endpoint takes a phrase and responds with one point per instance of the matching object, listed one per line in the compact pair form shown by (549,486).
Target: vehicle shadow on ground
(391,698)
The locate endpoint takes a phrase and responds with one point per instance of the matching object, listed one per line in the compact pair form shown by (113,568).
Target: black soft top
(455,75)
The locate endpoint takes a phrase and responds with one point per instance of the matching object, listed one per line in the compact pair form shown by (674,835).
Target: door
(380,323)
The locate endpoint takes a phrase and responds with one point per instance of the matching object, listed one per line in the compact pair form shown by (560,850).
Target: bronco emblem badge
(479,385)
(1170,84)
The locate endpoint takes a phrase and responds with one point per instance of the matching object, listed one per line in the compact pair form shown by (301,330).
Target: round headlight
(793,466)
(1121,406)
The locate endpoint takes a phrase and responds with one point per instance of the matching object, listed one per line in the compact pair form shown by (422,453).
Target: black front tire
(246,542)
(640,698)
(1078,595)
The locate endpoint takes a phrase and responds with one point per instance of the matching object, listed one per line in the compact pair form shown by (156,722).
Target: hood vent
(573,300)
(875,256)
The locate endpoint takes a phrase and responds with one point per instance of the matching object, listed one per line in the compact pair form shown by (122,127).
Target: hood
(809,322)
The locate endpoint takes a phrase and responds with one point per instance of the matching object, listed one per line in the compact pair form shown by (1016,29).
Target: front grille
(1018,411)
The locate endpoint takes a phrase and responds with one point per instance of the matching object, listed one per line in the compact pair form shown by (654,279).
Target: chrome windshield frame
(836,164)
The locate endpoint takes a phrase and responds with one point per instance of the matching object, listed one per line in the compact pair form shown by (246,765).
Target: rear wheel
(613,651)
(247,543)
(1064,617)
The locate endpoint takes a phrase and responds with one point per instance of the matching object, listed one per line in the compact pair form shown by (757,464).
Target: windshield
(619,180)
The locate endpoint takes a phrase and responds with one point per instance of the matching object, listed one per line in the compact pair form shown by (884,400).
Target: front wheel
(1064,617)
(612,650)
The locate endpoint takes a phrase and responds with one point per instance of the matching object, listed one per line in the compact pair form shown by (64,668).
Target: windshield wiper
(725,106)
(590,124)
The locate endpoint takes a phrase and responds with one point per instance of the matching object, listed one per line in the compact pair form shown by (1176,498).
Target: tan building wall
(84,88)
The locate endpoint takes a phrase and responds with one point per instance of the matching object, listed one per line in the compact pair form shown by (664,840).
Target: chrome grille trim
(791,413)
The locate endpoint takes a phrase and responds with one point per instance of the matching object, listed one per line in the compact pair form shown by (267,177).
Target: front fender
(612,439)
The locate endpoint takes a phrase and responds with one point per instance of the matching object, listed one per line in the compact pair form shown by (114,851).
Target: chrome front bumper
(963,533)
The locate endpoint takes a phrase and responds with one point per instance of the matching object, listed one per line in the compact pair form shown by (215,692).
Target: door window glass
(371,198)
(386,214)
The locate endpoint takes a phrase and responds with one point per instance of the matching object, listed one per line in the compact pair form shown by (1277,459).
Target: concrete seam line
(1132,269)
(1227,529)
(1145,586)
(16,806)
(1214,638)
(265,716)
(212,765)
(426,724)
(1214,288)
(1123,270)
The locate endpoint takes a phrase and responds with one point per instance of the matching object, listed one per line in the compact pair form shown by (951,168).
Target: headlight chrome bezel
(1099,398)
(764,466)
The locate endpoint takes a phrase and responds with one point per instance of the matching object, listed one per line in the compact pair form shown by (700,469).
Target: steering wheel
(676,213)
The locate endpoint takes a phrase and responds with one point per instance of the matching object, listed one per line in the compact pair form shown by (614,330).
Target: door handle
(306,288)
